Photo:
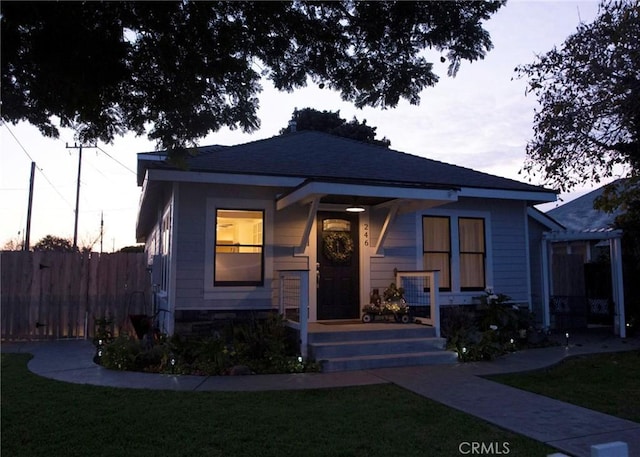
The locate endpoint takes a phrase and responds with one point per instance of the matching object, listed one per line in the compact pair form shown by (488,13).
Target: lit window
(239,259)
(437,248)
(472,253)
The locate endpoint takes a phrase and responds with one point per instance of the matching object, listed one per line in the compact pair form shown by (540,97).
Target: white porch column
(434,300)
(619,323)
(304,313)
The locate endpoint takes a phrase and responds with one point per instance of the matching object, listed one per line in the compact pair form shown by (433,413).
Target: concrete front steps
(369,346)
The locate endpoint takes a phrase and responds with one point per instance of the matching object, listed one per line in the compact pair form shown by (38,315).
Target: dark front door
(338,266)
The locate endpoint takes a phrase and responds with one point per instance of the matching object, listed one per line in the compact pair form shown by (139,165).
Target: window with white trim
(473,253)
(462,264)
(239,248)
(436,246)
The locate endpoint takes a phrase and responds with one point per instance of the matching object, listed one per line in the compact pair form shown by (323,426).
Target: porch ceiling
(365,194)
(350,200)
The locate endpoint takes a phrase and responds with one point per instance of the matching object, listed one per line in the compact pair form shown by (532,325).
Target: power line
(38,168)
(115,160)
(98,147)
(54,188)
(18,141)
(97,171)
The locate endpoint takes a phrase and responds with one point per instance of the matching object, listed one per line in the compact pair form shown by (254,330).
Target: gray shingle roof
(579,215)
(316,155)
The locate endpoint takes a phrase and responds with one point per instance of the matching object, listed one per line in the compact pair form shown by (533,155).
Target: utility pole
(75,225)
(101,229)
(27,239)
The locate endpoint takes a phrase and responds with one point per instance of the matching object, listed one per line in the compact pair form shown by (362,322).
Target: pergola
(613,237)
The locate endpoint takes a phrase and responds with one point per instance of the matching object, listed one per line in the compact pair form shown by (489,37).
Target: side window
(472,253)
(436,234)
(165,243)
(239,248)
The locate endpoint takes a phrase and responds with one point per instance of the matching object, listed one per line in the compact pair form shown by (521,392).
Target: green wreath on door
(337,247)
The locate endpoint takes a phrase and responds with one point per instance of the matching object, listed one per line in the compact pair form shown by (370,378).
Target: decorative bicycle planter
(398,311)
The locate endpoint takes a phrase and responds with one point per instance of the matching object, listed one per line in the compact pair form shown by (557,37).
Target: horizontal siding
(507,228)
(401,250)
(290,224)
(189,247)
(289,236)
(191,244)
(535,252)
(509,241)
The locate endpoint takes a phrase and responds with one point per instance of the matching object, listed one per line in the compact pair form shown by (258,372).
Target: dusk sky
(480,119)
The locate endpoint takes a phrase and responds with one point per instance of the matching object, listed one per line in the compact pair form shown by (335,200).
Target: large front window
(437,248)
(472,253)
(239,253)
(462,261)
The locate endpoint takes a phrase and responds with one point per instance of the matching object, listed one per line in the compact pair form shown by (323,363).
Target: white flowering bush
(492,330)
(495,312)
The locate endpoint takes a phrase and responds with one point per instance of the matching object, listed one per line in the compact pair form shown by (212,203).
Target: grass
(43,417)
(609,383)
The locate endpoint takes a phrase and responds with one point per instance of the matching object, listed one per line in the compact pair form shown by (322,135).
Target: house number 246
(365,235)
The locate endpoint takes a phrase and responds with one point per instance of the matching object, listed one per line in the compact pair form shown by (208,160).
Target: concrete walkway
(569,428)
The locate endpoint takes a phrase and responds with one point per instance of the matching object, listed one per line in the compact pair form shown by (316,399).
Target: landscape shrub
(494,328)
(251,346)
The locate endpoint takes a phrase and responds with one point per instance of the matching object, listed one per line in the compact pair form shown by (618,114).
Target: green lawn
(42,417)
(609,383)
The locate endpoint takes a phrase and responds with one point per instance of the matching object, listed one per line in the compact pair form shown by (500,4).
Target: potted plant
(393,293)
(392,305)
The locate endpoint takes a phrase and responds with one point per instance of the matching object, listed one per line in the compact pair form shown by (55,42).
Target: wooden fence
(51,295)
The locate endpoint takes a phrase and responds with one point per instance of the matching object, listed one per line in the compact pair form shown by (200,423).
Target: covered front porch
(343,235)
(351,344)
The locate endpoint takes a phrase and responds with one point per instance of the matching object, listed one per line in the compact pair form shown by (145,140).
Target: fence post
(434,298)
(281,296)
(304,312)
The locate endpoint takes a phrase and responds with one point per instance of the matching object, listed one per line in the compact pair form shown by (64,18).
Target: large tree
(588,125)
(54,243)
(184,69)
(331,122)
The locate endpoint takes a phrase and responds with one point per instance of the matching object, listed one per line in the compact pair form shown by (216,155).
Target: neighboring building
(584,256)
(219,231)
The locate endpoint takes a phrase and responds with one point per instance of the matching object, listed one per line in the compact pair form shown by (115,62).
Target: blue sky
(480,119)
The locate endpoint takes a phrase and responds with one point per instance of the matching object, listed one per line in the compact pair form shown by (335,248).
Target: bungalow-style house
(351,216)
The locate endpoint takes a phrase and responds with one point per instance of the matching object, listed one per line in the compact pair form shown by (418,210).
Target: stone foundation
(212,322)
